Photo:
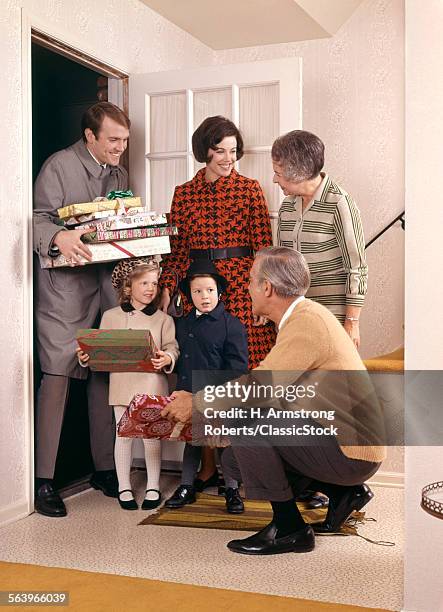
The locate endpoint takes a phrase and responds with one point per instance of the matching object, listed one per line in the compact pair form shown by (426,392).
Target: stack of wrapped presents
(120,228)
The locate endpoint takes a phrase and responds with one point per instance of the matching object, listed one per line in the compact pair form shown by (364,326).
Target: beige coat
(124,385)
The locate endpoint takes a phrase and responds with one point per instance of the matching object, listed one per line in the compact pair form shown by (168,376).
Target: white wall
(424,288)
(123,33)
(353,99)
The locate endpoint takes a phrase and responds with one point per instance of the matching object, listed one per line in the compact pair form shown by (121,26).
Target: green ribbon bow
(113,195)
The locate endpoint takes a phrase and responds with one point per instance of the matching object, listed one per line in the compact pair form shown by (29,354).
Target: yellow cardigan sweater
(312,339)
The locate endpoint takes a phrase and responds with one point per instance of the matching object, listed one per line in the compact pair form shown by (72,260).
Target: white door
(262,98)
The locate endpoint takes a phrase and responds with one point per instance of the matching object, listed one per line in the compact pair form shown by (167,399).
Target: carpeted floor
(97,536)
(94,592)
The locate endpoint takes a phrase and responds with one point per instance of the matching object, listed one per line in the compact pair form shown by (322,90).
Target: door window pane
(165,175)
(168,123)
(259,114)
(212,102)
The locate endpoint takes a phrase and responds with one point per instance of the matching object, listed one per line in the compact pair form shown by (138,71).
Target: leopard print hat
(126,266)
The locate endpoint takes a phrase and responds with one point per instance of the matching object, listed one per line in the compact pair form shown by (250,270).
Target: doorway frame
(61,42)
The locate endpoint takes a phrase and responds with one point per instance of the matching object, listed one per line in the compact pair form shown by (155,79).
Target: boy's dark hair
(194,276)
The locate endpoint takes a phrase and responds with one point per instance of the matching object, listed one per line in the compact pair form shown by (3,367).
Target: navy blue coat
(213,341)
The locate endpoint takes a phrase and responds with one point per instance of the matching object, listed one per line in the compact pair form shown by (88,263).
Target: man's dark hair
(93,117)
(210,133)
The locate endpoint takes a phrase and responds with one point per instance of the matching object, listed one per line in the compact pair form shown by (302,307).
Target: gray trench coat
(67,299)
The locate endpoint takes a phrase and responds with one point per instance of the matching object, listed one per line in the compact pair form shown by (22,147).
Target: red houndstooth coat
(229,212)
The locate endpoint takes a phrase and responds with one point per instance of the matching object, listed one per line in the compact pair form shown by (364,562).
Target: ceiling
(230,24)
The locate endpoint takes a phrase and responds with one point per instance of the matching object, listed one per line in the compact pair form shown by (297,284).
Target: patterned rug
(209,512)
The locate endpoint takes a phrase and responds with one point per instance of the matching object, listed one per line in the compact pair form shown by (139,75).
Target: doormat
(209,512)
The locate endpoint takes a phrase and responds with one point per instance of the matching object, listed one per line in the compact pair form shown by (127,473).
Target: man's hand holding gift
(70,245)
(180,409)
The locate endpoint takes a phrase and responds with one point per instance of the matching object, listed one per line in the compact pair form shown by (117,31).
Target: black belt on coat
(227,253)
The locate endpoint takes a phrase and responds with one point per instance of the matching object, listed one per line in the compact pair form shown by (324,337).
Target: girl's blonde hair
(124,290)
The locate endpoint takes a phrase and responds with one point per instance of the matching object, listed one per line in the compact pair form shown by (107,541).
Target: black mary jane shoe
(184,494)
(131,504)
(339,510)
(266,542)
(150,504)
(200,485)
(234,503)
(48,502)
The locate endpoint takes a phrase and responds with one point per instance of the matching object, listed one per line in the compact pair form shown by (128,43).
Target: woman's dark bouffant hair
(210,133)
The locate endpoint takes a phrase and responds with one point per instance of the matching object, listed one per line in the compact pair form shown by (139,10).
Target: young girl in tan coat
(136,280)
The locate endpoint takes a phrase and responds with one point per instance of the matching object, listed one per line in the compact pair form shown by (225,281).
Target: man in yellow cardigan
(311,346)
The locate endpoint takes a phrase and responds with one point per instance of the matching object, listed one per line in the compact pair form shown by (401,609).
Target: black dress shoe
(48,502)
(106,481)
(150,504)
(184,494)
(234,503)
(131,504)
(313,500)
(265,542)
(339,510)
(200,485)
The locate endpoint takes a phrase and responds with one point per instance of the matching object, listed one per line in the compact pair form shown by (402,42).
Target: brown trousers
(279,473)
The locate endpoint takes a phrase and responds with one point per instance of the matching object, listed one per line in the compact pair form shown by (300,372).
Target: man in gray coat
(71,298)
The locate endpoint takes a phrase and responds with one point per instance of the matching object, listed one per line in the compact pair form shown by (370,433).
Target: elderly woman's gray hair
(301,155)
(286,270)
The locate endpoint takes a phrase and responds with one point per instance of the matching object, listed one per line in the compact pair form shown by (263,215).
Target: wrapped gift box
(110,251)
(100,215)
(101,205)
(142,420)
(118,350)
(129,221)
(129,234)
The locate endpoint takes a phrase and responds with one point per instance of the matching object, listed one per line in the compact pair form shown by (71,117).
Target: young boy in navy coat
(209,338)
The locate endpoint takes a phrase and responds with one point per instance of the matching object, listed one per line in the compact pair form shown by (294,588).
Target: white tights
(123,461)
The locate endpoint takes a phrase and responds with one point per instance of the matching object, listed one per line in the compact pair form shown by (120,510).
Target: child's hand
(83,357)
(161,360)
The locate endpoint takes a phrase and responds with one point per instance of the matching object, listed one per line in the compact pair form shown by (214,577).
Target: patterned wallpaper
(353,99)
(353,87)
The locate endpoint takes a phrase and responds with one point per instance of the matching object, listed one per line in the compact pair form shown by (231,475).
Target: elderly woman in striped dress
(321,220)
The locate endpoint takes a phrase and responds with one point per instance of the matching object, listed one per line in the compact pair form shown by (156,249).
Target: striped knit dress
(329,234)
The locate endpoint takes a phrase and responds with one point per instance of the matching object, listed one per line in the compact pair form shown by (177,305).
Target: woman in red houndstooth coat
(223,216)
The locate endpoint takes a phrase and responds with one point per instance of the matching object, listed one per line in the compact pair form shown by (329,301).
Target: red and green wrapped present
(118,350)
(142,419)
